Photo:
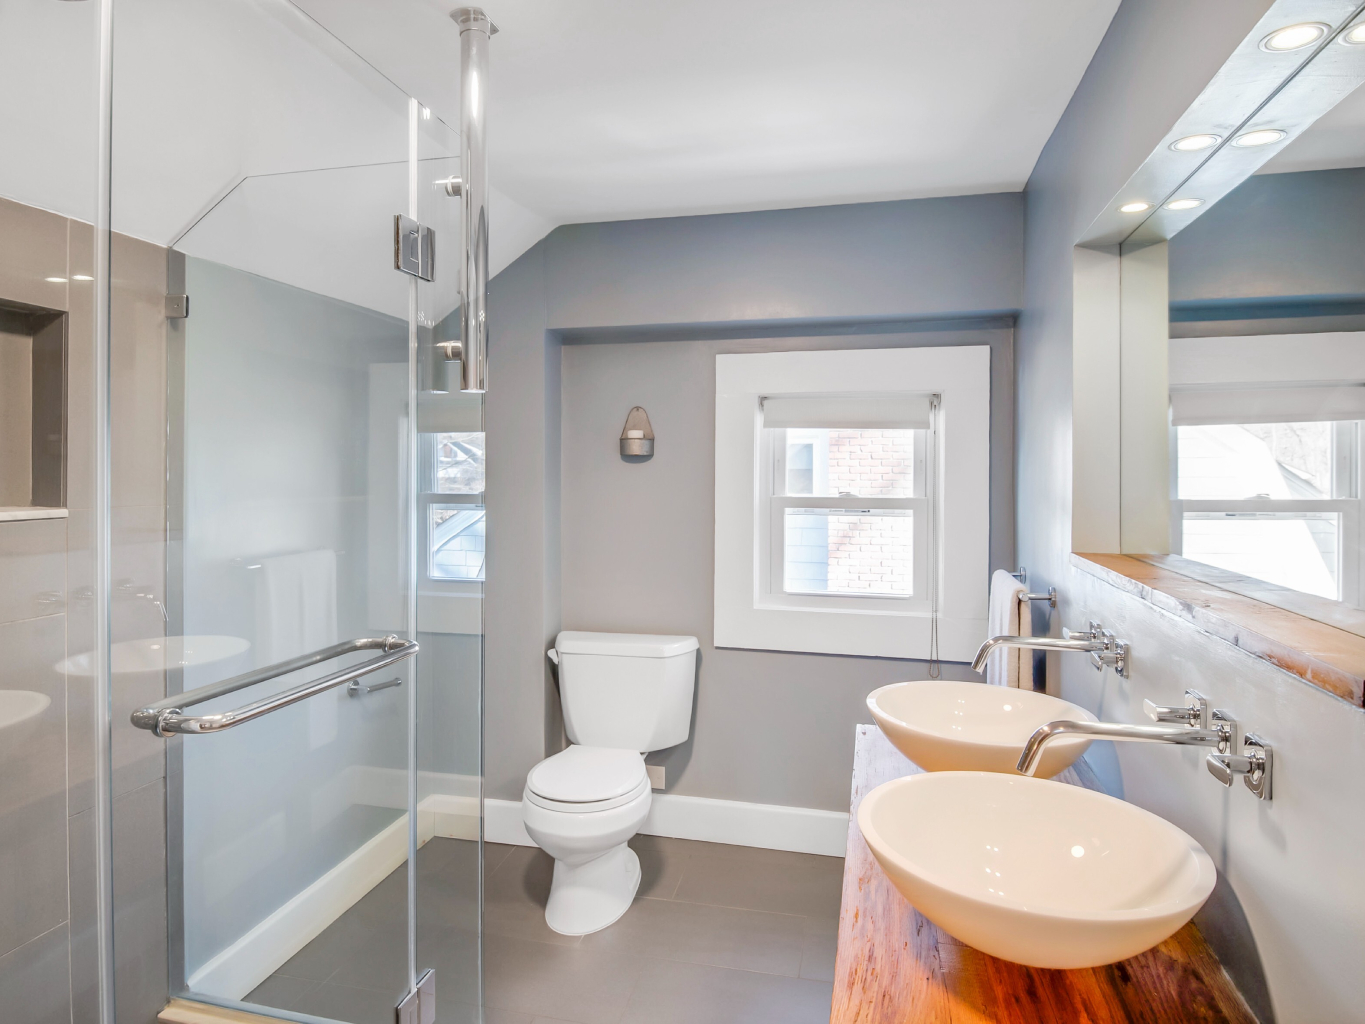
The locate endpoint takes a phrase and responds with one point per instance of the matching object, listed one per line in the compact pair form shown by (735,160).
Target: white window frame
(747,613)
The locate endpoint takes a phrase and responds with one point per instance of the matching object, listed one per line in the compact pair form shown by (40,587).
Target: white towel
(296,613)
(1007,615)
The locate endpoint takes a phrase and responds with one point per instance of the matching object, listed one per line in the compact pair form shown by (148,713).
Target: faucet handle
(1093,633)
(1194,713)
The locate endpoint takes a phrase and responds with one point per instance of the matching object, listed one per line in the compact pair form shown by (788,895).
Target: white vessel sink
(20,705)
(945,726)
(1040,873)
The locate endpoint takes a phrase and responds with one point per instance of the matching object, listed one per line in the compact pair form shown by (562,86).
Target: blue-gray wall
(1286,917)
(1281,253)
(667,294)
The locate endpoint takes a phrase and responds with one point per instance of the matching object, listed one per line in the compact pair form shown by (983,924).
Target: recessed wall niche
(32,407)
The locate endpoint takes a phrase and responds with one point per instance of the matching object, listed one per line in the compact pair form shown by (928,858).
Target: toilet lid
(583,775)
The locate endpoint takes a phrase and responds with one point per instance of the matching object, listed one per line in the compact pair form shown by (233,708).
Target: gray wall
(1282,253)
(670,293)
(1292,901)
(638,556)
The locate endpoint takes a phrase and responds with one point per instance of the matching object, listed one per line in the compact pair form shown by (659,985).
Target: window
(454,470)
(1275,501)
(851,500)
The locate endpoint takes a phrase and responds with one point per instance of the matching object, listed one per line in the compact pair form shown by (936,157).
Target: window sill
(23,513)
(1236,609)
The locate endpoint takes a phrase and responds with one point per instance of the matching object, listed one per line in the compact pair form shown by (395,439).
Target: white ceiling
(1337,139)
(615,109)
(232,117)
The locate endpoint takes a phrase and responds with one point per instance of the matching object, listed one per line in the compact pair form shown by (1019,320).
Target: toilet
(623,695)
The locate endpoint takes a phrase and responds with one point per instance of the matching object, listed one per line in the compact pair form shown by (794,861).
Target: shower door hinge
(177,307)
(419,1005)
(414,247)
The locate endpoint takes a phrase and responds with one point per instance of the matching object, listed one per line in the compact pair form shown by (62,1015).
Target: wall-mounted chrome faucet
(1201,727)
(1098,642)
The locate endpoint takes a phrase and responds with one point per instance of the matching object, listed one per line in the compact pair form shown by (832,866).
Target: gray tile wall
(47,762)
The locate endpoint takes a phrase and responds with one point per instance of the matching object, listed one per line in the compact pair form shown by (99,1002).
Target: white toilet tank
(632,691)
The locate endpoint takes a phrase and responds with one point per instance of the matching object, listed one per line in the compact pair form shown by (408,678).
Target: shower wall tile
(138,372)
(84,951)
(80,677)
(32,249)
(80,369)
(35,981)
(32,568)
(33,784)
(138,560)
(140,981)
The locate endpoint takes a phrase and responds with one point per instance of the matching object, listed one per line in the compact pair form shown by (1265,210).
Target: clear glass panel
(263,493)
(866,463)
(833,551)
(48,757)
(1299,550)
(449,612)
(1287,461)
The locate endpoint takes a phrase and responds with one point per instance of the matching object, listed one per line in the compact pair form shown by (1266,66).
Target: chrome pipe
(475,32)
(1037,643)
(1180,734)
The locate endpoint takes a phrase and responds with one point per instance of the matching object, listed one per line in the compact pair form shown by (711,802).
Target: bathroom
(501,509)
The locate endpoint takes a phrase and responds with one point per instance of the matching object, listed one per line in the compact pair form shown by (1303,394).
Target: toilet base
(585,898)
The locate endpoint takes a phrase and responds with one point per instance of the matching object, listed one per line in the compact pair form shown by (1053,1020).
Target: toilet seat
(581,780)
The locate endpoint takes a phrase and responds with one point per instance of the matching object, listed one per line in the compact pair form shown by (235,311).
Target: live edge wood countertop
(894,967)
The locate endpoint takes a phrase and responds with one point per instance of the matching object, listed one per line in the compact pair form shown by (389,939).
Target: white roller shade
(1303,404)
(849,411)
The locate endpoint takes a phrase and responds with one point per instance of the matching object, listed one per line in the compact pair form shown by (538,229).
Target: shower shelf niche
(33,354)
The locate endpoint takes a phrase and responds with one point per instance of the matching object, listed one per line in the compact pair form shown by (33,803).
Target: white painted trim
(733,822)
(743,617)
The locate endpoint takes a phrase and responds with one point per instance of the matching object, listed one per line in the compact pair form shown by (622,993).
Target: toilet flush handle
(553,655)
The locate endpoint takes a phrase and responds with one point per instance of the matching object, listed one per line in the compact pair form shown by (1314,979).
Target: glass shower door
(263,510)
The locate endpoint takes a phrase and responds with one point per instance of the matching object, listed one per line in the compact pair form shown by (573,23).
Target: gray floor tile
(352,1005)
(492,1015)
(280,992)
(661,864)
(515,895)
(572,983)
(819,940)
(749,940)
(669,992)
(773,880)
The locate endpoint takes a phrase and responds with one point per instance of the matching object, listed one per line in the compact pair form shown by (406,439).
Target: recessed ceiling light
(1184,204)
(1354,36)
(1260,137)
(1134,207)
(81,277)
(55,280)
(1194,143)
(1294,37)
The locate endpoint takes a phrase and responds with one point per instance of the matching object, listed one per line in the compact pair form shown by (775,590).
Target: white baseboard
(453,812)
(767,826)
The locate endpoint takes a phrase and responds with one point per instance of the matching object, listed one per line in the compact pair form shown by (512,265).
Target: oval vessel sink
(1040,873)
(20,705)
(944,725)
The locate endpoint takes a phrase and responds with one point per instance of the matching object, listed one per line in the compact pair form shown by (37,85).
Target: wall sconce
(638,436)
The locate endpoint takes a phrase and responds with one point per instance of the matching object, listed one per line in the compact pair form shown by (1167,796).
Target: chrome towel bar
(168,716)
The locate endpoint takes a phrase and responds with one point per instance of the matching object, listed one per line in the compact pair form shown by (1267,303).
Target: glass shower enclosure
(295,524)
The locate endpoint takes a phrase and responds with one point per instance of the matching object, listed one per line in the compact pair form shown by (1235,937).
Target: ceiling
(1337,139)
(235,120)
(616,109)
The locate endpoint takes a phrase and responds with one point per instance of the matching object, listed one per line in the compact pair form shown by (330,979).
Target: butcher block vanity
(895,967)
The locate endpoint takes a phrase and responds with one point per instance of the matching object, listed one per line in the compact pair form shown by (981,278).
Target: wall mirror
(1233,344)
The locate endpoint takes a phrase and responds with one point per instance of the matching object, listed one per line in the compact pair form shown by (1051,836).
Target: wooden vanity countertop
(895,967)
